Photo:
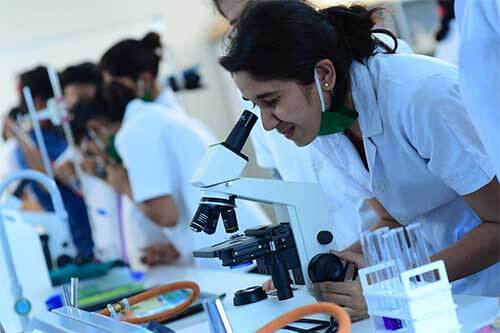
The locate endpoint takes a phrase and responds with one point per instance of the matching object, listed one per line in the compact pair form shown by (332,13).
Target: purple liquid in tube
(392,324)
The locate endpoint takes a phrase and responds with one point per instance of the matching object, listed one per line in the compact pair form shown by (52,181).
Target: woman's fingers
(339,299)
(346,294)
(159,254)
(268,285)
(356,315)
(345,288)
(350,256)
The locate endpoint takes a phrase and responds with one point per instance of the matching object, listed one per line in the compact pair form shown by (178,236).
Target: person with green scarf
(391,128)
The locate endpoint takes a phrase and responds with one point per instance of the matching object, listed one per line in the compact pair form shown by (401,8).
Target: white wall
(60,33)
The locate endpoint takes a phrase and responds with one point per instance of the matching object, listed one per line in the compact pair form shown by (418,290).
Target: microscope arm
(269,191)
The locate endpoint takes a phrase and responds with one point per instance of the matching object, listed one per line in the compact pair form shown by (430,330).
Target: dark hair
(109,104)
(86,72)
(131,57)
(11,114)
(284,39)
(37,79)
(14,112)
(447,14)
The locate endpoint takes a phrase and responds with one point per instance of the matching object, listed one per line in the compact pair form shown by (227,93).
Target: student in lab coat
(479,29)
(108,209)
(135,63)
(113,213)
(160,151)
(392,127)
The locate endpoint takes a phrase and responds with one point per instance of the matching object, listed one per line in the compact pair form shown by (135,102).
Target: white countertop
(472,311)
(213,281)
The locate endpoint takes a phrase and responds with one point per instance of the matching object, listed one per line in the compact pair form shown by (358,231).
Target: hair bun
(354,24)
(152,40)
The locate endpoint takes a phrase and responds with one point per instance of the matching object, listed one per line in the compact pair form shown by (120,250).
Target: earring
(326,84)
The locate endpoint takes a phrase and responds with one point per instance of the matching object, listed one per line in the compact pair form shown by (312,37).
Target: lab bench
(472,311)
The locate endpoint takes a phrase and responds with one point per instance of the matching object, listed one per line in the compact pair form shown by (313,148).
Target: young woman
(391,126)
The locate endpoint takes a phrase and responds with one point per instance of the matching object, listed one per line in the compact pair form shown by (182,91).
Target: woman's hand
(65,173)
(159,254)
(347,294)
(268,285)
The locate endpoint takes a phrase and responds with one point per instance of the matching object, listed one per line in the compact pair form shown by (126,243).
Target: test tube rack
(417,307)
(404,290)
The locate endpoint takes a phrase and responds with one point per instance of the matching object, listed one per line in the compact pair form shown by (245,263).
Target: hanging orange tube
(333,309)
(162,316)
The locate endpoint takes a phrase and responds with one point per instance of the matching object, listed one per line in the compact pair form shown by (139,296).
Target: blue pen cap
(54,302)
(137,276)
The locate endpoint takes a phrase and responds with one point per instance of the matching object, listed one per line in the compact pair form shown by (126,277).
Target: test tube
(371,244)
(74,292)
(66,296)
(383,246)
(409,247)
(421,250)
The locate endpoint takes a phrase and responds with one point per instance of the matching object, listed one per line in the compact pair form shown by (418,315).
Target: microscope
(295,251)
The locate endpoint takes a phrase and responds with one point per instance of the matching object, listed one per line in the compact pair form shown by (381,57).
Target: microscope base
(249,318)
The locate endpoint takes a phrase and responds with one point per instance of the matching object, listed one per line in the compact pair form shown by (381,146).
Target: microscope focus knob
(326,267)
(324,237)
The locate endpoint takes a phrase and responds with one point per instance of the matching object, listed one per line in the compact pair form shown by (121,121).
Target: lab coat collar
(365,99)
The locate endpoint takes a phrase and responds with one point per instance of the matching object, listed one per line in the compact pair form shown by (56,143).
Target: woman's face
(292,109)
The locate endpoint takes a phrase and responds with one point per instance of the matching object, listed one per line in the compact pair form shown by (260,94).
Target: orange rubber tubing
(333,309)
(164,315)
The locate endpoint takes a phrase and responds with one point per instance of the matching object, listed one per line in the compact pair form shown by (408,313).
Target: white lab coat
(169,101)
(422,151)
(101,201)
(479,28)
(138,232)
(9,163)
(132,229)
(161,151)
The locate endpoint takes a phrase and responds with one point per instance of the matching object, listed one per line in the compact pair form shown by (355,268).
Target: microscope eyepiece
(239,135)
